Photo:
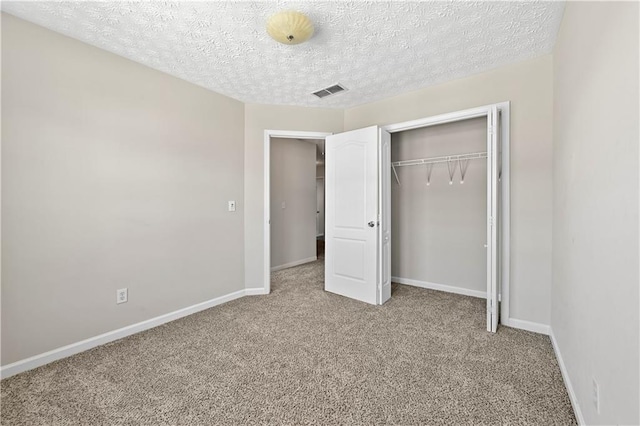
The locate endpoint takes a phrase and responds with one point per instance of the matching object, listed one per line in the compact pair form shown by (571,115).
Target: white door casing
(351,214)
(492,217)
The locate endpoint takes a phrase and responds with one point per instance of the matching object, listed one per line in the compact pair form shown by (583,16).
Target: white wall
(528,86)
(594,300)
(439,231)
(258,118)
(113,175)
(293,201)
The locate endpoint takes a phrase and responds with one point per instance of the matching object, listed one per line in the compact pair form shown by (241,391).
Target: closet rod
(434,160)
(444,159)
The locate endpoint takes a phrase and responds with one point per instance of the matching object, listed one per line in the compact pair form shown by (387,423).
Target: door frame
(268,134)
(504,233)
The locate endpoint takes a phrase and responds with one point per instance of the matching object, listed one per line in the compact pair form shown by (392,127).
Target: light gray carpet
(303,356)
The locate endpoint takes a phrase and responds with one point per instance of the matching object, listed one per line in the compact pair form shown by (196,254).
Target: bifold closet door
(352,232)
(492,216)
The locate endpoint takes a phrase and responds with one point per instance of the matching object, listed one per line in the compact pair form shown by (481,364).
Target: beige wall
(293,201)
(528,86)
(113,175)
(259,118)
(594,301)
(439,231)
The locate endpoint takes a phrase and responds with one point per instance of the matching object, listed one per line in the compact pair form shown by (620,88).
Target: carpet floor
(304,356)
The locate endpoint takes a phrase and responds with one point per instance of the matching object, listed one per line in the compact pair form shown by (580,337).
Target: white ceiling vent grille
(331,90)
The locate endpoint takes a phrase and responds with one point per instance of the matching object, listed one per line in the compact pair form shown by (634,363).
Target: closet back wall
(439,230)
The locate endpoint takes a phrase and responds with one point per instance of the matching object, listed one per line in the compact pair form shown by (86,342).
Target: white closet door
(492,216)
(384,230)
(351,231)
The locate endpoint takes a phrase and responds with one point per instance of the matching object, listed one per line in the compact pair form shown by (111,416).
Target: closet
(439,207)
(434,198)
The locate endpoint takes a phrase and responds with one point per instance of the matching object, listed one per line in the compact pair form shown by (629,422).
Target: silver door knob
(371,224)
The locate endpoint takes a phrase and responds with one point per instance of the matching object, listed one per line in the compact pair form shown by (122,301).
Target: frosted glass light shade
(290,27)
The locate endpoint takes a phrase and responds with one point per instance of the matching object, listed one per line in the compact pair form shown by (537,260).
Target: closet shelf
(444,159)
(460,159)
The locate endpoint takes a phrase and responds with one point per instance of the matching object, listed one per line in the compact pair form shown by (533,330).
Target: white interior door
(351,214)
(492,216)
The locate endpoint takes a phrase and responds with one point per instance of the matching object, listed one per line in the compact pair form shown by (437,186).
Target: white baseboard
(75,348)
(292,264)
(257,291)
(567,381)
(440,287)
(536,327)
(509,322)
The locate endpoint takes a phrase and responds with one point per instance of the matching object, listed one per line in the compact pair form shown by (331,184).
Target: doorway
(320,196)
(283,211)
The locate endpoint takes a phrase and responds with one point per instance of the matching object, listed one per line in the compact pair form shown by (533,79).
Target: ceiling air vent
(331,90)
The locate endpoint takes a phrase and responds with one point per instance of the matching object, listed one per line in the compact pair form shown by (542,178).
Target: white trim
(505,110)
(567,381)
(84,345)
(535,327)
(292,264)
(268,134)
(258,291)
(440,287)
(435,120)
(505,203)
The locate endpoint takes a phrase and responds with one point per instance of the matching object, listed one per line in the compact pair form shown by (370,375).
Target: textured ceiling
(375,49)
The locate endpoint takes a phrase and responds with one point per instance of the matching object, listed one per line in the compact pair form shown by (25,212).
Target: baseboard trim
(84,345)
(567,381)
(440,287)
(292,264)
(509,322)
(535,327)
(257,291)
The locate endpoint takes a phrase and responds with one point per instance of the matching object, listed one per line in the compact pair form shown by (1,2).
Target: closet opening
(439,207)
(449,205)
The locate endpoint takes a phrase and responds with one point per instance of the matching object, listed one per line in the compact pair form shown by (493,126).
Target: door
(492,216)
(384,231)
(352,202)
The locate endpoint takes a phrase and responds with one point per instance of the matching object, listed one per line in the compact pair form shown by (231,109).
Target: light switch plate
(232,206)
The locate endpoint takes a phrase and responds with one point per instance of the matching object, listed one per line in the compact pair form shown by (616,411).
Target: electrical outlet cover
(122,296)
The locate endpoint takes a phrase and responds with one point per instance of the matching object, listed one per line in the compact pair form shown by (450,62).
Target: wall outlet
(122,296)
(595,394)
(284,204)
(232,206)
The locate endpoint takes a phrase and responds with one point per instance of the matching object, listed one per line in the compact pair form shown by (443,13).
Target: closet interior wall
(439,230)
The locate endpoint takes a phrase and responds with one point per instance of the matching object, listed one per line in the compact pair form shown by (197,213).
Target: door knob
(371,224)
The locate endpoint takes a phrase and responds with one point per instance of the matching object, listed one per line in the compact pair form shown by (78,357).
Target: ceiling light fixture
(290,27)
